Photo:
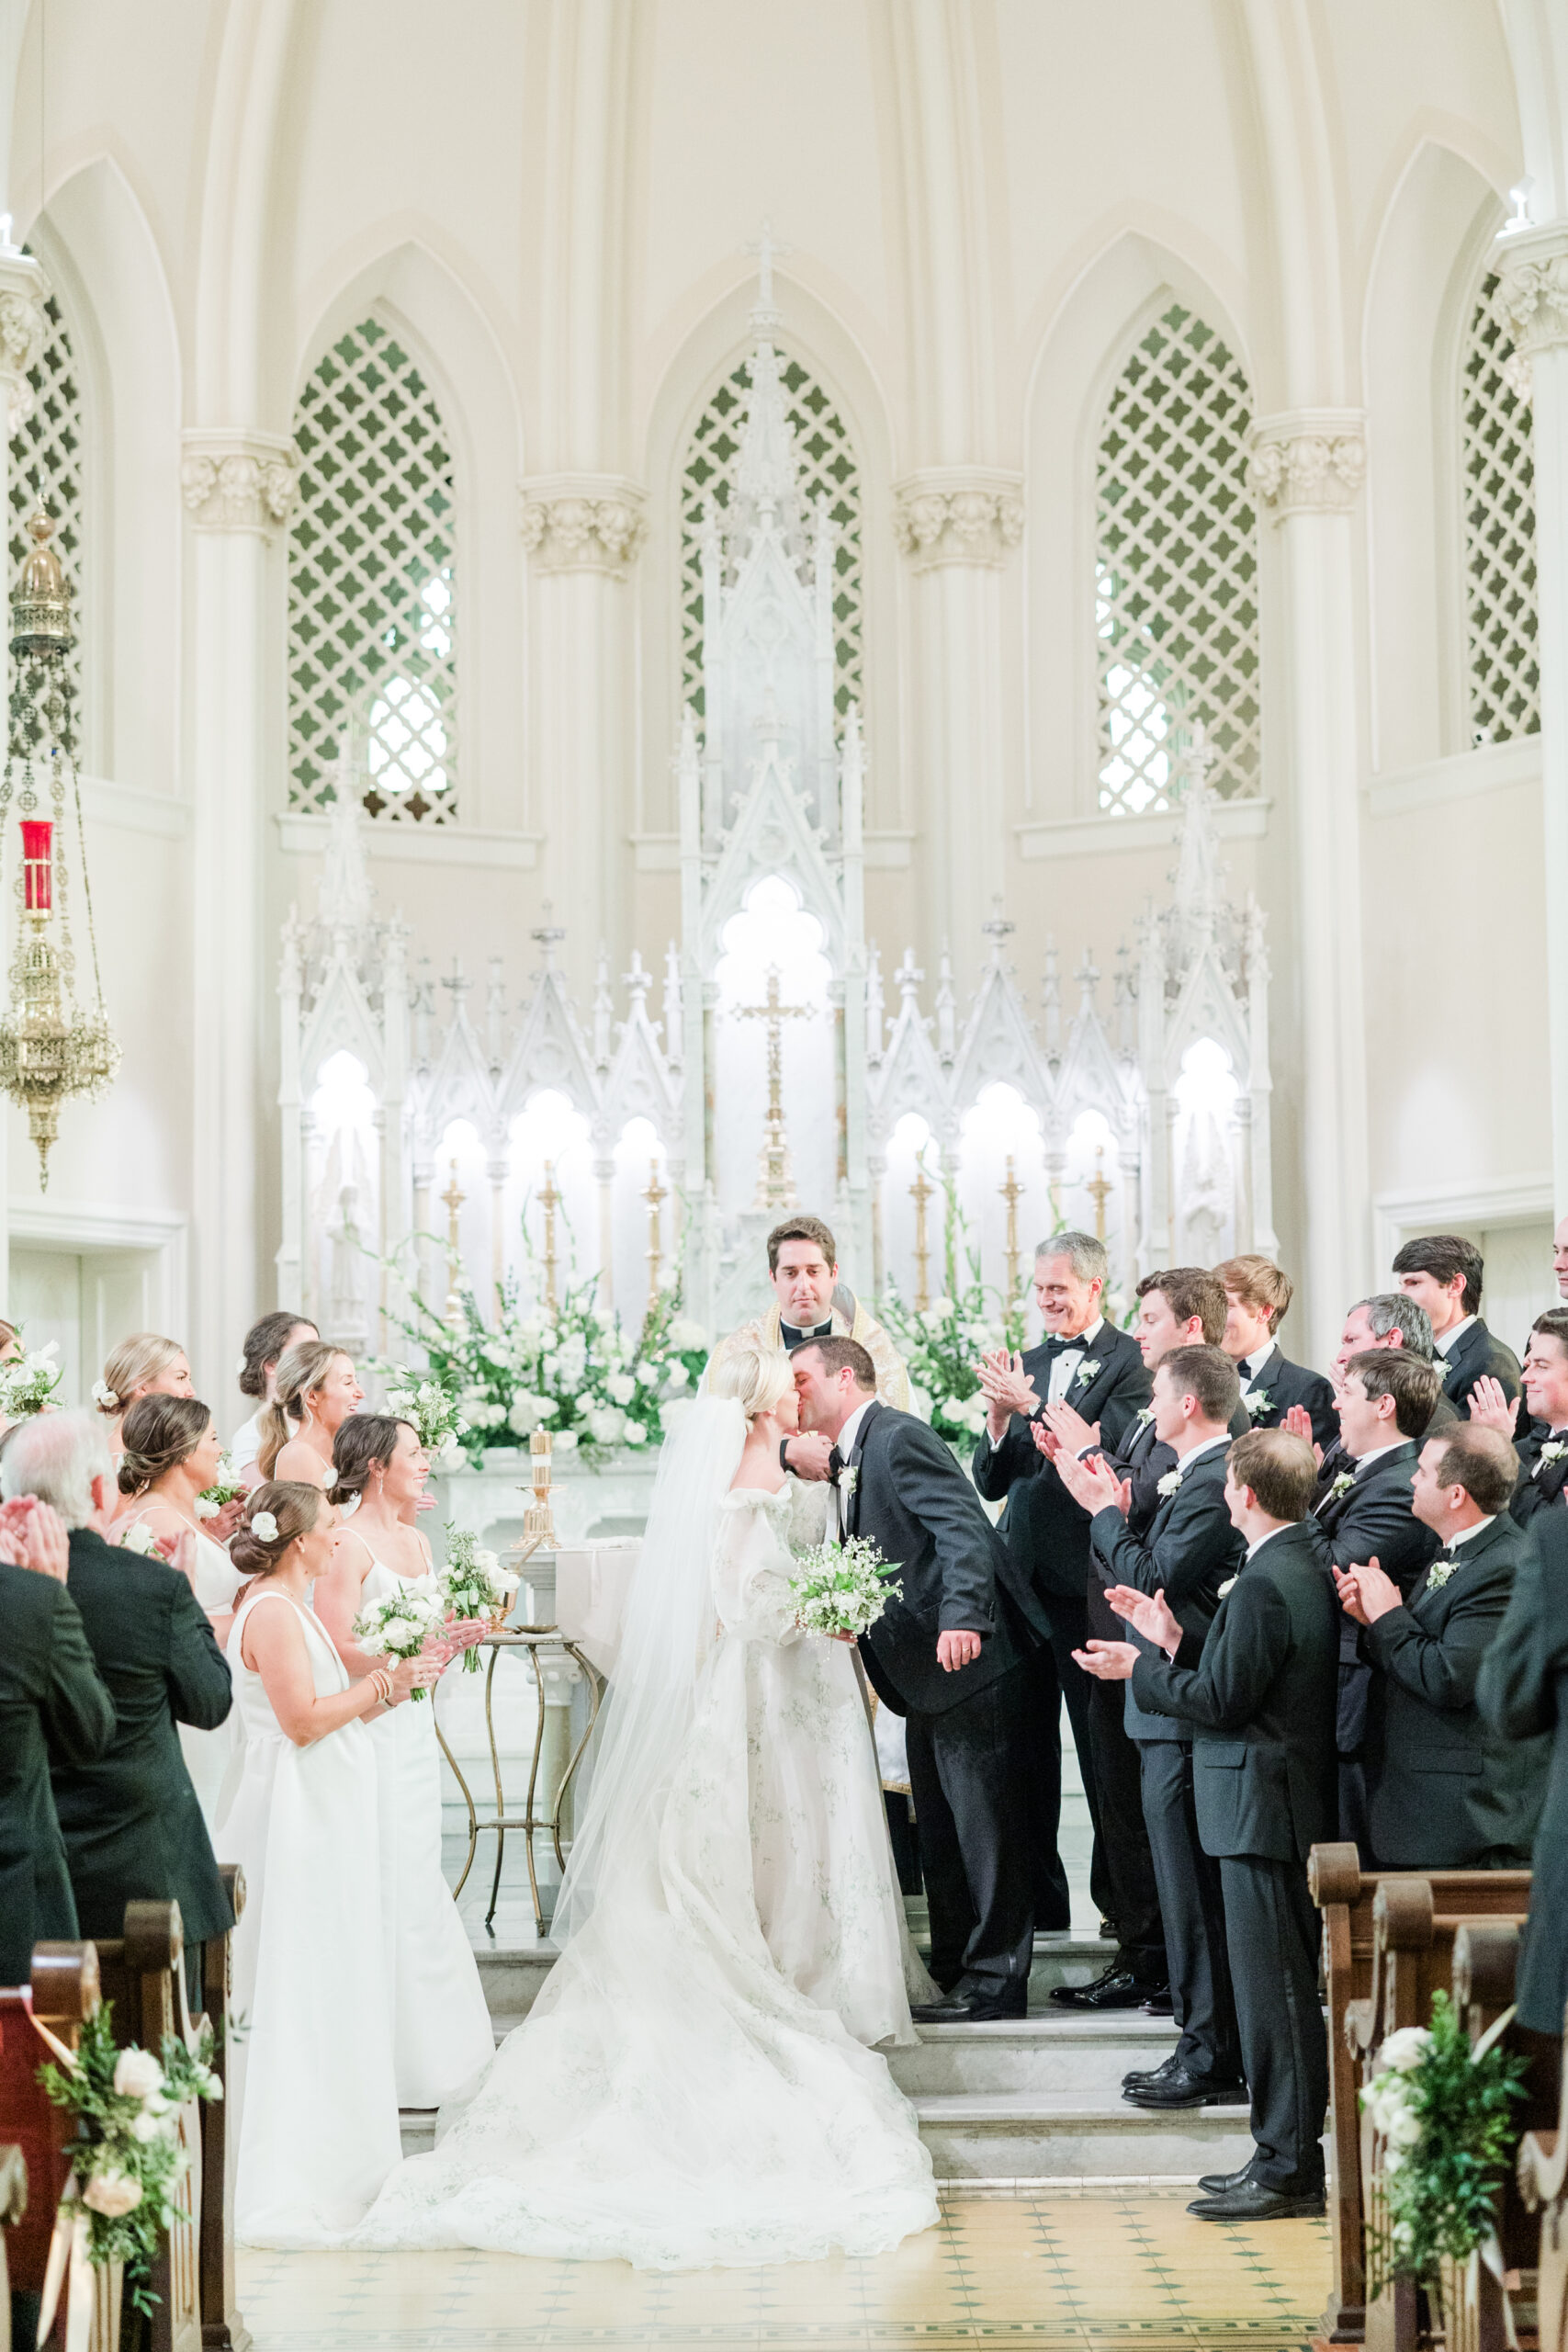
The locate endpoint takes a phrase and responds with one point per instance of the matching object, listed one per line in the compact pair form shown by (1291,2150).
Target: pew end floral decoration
(940,1344)
(127,2163)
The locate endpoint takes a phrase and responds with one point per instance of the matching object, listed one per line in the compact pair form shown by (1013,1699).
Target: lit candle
(37,865)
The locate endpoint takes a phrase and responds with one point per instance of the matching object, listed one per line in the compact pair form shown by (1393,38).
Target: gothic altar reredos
(782,1066)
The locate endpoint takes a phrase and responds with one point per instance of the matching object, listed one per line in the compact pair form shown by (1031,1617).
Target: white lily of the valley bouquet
(401,1625)
(28,1381)
(839,1587)
(474,1584)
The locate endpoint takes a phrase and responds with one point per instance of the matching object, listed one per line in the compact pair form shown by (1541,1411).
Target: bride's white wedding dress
(686,2090)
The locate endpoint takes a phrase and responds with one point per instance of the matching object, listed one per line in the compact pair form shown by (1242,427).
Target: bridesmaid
(315,1391)
(267,1343)
(143,1365)
(171,1453)
(444,2037)
(317,2100)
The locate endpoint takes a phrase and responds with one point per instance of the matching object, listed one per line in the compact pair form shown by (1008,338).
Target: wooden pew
(1474,2316)
(1347,1896)
(222,2329)
(1543,2188)
(142,1973)
(13,2207)
(64,1993)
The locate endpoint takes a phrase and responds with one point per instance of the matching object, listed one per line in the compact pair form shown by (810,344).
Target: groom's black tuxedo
(963,1730)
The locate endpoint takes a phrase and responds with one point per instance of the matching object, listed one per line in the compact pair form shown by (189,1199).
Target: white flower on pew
(1402,2050)
(138,2075)
(112,2194)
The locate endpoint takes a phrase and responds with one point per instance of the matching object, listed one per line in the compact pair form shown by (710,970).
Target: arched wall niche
(1426,271)
(720,340)
(96,243)
(1111,304)
(417,295)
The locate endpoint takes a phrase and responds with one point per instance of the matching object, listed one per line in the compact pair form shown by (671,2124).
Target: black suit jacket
(1476,1352)
(909,1496)
(1258,1694)
(1189,1550)
(1286,1383)
(1540,1483)
(1521,1692)
(1442,1791)
(1374,1519)
(51,1702)
(1043,1528)
(130,1820)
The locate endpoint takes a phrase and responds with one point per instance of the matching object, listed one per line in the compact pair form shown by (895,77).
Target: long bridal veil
(671,2099)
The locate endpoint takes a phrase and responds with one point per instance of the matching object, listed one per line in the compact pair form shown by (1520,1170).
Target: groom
(948,1657)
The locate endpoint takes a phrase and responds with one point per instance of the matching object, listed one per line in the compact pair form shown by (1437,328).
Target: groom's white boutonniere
(1552,1451)
(1257,1402)
(1086,1371)
(848,1481)
(1438,1575)
(1344,1481)
(1167,1486)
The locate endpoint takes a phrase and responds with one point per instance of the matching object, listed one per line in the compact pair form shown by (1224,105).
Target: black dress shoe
(1159,2004)
(1220,2184)
(1152,2075)
(1116,1988)
(1182,2088)
(971,2008)
(1253,2202)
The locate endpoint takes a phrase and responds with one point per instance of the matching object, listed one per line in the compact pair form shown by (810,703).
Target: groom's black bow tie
(835,1465)
(795,1339)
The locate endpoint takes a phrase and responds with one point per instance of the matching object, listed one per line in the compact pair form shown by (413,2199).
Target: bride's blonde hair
(754,1376)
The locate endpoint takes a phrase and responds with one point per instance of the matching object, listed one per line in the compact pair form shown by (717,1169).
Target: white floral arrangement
(474,1583)
(401,1625)
(1439,1572)
(841,1588)
(225,1488)
(27,1382)
(432,1412)
(1343,1482)
(1258,1401)
(941,1344)
(1085,1372)
(1552,1451)
(1167,1487)
(105,1398)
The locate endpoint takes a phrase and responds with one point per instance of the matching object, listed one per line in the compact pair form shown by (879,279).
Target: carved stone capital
(583,523)
(238,481)
(970,514)
(24,289)
(1532,293)
(1307,461)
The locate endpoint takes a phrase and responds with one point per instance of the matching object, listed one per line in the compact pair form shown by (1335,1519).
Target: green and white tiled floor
(1055,2270)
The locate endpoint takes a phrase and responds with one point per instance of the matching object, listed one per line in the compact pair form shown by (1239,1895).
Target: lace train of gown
(675,2099)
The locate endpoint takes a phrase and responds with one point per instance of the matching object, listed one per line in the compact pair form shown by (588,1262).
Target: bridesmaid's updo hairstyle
(264,1344)
(303,1368)
(366,1442)
(158,1434)
(293,1506)
(142,1358)
(754,1376)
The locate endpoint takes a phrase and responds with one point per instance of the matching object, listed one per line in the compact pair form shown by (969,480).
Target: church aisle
(1065,2270)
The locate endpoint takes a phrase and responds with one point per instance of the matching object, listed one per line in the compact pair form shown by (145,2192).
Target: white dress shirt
(1064,1366)
(1450,1338)
(1250,1368)
(845,1441)
(1466,1533)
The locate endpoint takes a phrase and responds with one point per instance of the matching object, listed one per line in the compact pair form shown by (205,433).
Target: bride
(691,2086)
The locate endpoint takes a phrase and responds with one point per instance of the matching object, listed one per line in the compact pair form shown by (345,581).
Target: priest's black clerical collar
(792,1338)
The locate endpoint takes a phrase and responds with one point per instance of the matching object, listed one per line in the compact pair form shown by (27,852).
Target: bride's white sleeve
(752,1566)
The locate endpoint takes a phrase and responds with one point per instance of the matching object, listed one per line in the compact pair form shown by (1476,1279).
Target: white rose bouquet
(474,1583)
(432,1409)
(404,1624)
(227,1488)
(839,1587)
(27,1382)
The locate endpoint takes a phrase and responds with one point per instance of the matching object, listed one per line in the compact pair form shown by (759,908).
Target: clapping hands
(1366,1594)
(1006,1389)
(1490,1407)
(1148,1613)
(1298,1421)
(33,1535)
(1093,1484)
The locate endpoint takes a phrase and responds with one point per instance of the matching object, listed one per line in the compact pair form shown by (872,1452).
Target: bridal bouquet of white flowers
(27,1382)
(225,1488)
(432,1410)
(401,1625)
(474,1583)
(839,1587)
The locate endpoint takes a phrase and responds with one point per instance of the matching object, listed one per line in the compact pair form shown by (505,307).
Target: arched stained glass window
(1176,568)
(1498,463)
(372,585)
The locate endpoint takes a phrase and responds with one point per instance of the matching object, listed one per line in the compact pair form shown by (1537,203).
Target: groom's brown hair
(836,1353)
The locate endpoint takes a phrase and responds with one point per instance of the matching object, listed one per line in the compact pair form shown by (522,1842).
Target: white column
(1306,469)
(24,289)
(238,488)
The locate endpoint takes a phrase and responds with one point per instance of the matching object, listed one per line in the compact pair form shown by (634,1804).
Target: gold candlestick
(538,1520)
(655,1195)
(1012,1193)
(1100,1188)
(920,1192)
(549,1201)
(775,1179)
(452,1200)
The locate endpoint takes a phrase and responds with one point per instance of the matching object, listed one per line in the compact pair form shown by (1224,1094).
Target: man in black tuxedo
(1367,1511)
(1191,1549)
(51,1704)
(1542,1444)
(1442,1272)
(1441,1792)
(1086,1362)
(132,1821)
(1258,1298)
(1522,1694)
(948,1657)
(1259,1693)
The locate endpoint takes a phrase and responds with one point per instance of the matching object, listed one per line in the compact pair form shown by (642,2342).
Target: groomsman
(1190,1552)
(1442,1272)
(1543,1450)
(1368,1512)
(1258,1298)
(1388,1319)
(1258,1694)
(1442,1793)
(1098,1371)
(1522,1693)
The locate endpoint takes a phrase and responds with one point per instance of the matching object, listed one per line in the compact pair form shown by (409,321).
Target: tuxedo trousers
(967,1784)
(1133,1908)
(1069,1631)
(1193,1910)
(1273,1930)
(1041,1754)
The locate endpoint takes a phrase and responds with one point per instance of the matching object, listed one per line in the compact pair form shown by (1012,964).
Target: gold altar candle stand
(555,1756)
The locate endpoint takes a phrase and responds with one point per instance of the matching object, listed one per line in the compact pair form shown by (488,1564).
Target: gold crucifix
(920,1192)
(1100,1188)
(1012,1193)
(655,1195)
(549,1201)
(452,1200)
(775,1179)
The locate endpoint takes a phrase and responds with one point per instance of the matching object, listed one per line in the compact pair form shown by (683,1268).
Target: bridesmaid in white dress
(267,1344)
(315,1391)
(443,2031)
(171,1453)
(314,2082)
